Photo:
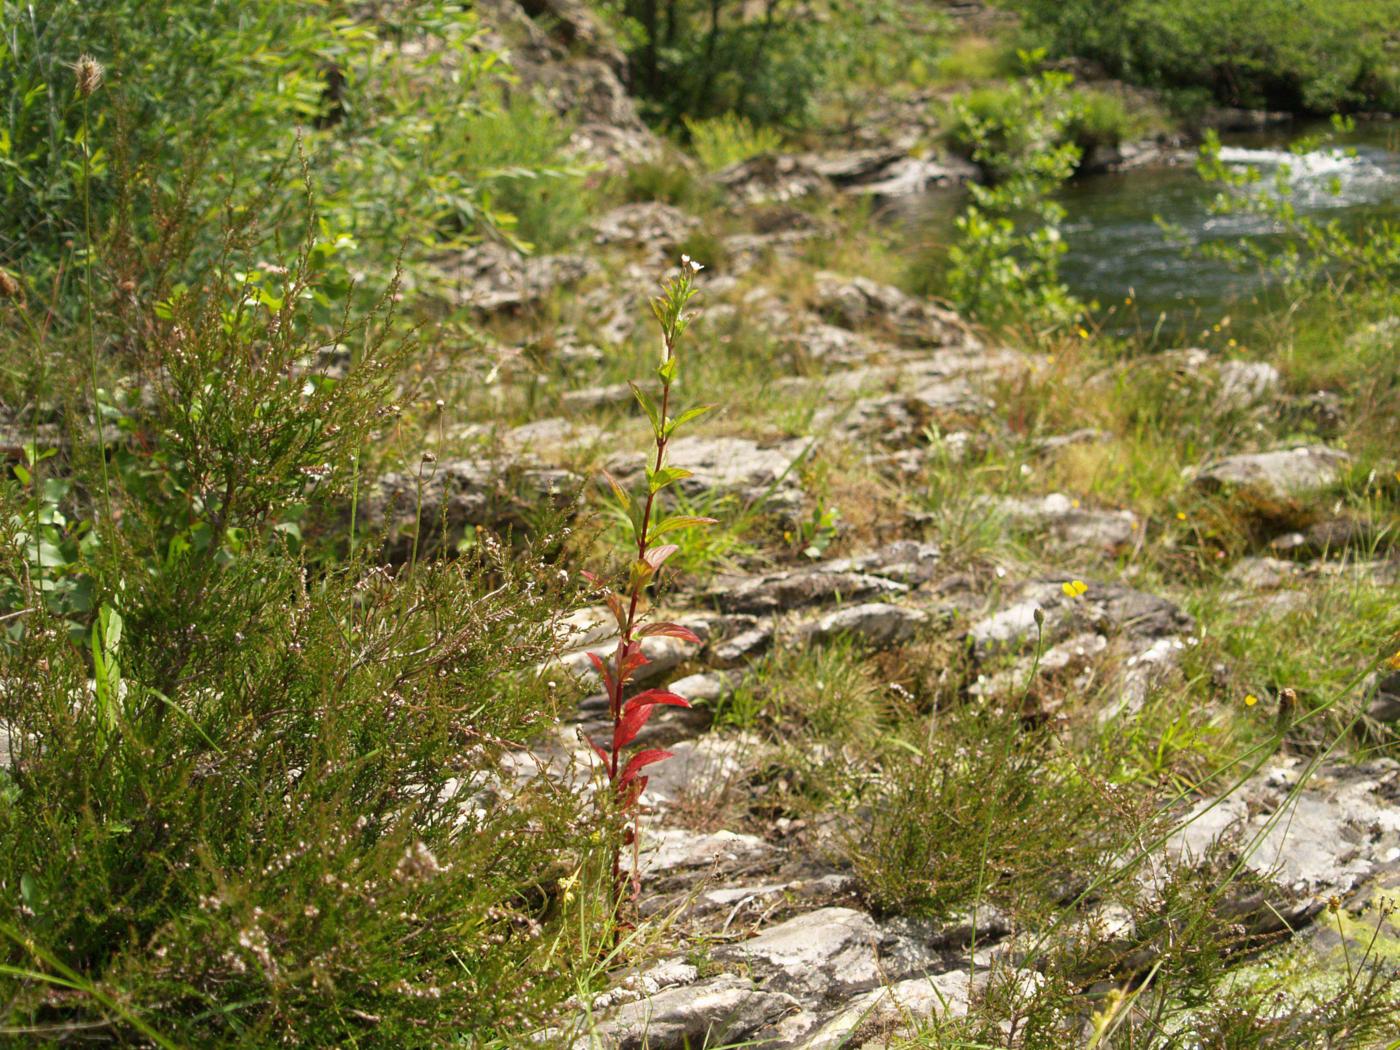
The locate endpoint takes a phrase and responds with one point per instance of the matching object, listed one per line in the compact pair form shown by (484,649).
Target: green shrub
(973,59)
(251,797)
(1313,56)
(1003,267)
(401,119)
(697,59)
(979,809)
(727,139)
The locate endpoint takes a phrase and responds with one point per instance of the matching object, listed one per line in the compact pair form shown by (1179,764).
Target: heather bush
(252,793)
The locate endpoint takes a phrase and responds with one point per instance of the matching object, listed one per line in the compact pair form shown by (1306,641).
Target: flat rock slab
(1111,609)
(491,277)
(828,951)
(1327,837)
(650,224)
(1068,525)
(878,624)
(752,471)
(796,589)
(1282,474)
(720,1011)
(702,768)
(669,853)
(832,954)
(873,1018)
(854,302)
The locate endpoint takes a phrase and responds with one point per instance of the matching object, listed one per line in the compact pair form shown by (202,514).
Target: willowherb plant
(625,779)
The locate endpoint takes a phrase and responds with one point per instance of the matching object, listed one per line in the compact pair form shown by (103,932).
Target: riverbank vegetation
(973,598)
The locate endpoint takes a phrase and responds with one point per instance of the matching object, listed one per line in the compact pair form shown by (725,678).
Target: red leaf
(656,557)
(632,659)
(640,761)
(602,670)
(634,716)
(669,630)
(619,611)
(657,696)
(638,710)
(633,792)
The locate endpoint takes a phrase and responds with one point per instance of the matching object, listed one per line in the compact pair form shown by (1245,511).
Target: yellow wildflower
(1074,589)
(1250,700)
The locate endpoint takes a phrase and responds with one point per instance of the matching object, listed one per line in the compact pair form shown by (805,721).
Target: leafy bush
(402,120)
(1313,56)
(699,59)
(244,820)
(1002,126)
(725,140)
(1004,265)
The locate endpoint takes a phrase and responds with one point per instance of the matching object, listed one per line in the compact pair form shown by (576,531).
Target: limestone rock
(879,624)
(1316,840)
(492,277)
(1262,573)
(649,223)
(831,951)
(721,1010)
(907,561)
(1282,474)
(702,768)
(458,494)
(770,178)
(895,1010)
(671,852)
(1068,525)
(856,301)
(1111,609)
(745,468)
(1242,384)
(797,588)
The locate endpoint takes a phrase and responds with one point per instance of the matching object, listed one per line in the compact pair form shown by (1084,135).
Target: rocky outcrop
(1283,474)
(561,51)
(883,172)
(437,506)
(755,472)
(1311,834)
(492,277)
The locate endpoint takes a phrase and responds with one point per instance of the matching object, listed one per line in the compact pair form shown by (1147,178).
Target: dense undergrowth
(256,790)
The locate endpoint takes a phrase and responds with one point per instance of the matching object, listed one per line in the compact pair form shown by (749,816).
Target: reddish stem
(624,641)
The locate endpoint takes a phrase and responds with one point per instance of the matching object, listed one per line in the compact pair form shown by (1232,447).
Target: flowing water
(1118,250)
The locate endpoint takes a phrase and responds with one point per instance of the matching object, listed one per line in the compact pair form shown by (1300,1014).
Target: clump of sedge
(629,715)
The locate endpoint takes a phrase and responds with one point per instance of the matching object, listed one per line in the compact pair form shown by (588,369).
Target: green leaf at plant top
(687,416)
(648,408)
(666,476)
(678,521)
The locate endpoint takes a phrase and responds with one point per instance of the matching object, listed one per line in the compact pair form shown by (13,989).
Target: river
(1118,251)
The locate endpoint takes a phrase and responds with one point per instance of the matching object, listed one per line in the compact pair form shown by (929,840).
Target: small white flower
(688,263)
